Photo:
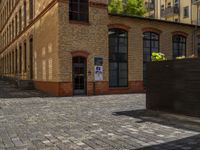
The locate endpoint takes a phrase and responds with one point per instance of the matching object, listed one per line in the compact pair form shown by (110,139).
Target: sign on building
(98,69)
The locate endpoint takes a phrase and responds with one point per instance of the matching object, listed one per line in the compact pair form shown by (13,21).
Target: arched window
(150,44)
(179,46)
(118,58)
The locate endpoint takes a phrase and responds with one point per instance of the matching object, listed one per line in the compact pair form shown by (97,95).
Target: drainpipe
(173,7)
(195,30)
(194,40)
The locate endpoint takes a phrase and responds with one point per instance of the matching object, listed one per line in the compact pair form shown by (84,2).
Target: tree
(115,6)
(134,7)
(131,7)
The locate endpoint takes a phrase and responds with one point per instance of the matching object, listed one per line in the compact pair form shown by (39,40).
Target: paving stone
(111,122)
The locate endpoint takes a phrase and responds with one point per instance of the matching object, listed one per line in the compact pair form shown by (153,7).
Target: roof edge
(153,19)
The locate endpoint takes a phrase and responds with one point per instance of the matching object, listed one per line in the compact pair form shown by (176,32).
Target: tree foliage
(115,6)
(129,7)
(134,7)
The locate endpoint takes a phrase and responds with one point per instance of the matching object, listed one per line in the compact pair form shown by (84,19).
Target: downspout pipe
(194,32)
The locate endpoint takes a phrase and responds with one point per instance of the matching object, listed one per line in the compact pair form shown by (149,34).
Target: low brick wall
(174,86)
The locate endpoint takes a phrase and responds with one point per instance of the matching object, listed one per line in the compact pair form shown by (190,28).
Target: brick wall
(93,39)
(174,86)
(44,31)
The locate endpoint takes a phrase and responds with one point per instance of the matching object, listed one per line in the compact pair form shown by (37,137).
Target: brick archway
(119,26)
(81,53)
(180,33)
(150,29)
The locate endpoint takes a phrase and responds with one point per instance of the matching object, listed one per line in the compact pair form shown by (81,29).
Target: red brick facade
(101,88)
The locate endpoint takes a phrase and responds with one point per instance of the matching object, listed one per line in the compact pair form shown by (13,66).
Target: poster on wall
(98,73)
(98,69)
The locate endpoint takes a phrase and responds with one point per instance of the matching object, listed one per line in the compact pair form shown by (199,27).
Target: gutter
(152,19)
(195,32)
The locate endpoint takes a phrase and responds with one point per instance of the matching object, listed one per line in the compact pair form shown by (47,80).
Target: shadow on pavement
(162,118)
(190,143)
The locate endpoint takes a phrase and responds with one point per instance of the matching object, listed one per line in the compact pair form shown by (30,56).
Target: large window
(31,57)
(150,45)
(13,62)
(186,12)
(198,46)
(20,59)
(30,9)
(179,46)
(78,10)
(16,26)
(24,13)
(20,20)
(16,61)
(118,58)
(25,57)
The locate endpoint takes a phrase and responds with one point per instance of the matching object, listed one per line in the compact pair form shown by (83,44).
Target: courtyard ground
(31,120)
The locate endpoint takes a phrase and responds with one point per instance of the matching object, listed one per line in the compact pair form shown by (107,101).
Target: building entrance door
(79,75)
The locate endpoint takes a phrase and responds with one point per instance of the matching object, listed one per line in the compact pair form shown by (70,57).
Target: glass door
(79,75)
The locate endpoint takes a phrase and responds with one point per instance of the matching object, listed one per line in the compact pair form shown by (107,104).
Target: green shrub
(180,57)
(158,56)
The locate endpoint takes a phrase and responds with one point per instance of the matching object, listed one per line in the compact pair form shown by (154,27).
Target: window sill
(119,88)
(79,22)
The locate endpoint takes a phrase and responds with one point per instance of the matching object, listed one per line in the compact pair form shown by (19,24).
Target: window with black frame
(150,44)
(198,46)
(79,10)
(30,9)
(179,46)
(118,58)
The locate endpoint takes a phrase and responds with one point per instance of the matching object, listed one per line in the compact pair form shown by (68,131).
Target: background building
(184,11)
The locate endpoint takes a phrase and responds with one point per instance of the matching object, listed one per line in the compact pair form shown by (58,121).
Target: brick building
(56,44)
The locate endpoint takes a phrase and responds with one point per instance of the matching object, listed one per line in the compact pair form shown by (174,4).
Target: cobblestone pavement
(114,122)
